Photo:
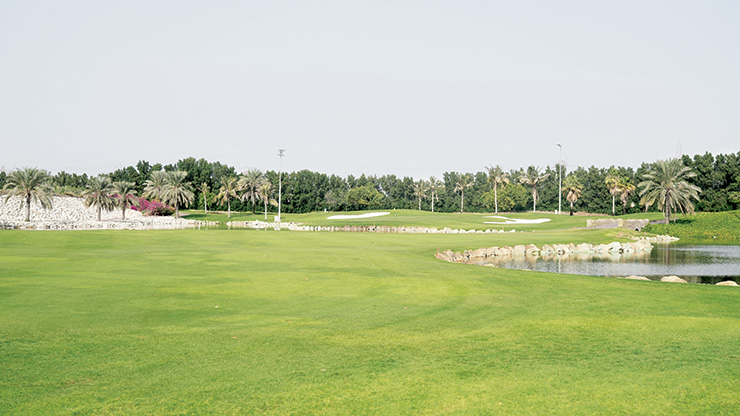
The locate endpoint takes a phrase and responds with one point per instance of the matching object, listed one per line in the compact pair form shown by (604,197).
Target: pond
(708,264)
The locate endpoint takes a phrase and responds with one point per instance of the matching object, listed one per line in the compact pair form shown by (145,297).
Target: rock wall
(547,250)
(70,213)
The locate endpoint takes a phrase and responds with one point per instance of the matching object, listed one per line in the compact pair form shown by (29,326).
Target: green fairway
(249,322)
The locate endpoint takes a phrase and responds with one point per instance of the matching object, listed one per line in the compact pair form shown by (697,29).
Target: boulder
(601,248)
(531,249)
(547,250)
(584,248)
(519,250)
(727,283)
(637,277)
(673,279)
(505,251)
(614,247)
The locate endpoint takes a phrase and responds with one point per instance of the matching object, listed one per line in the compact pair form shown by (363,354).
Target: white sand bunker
(350,217)
(515,221)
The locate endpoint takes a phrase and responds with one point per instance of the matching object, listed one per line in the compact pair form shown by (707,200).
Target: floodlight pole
(560,180)
(281,153)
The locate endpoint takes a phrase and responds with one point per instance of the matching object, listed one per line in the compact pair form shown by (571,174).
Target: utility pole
(281,153)
(560,181)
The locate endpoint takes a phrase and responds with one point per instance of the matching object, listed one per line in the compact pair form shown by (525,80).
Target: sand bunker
(351,217)
(515,221)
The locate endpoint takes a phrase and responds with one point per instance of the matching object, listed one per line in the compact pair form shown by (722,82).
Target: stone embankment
(547,250)
(70,213)
(659,239)
(261,225)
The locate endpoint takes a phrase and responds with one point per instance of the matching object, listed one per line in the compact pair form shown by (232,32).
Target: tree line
(209,185)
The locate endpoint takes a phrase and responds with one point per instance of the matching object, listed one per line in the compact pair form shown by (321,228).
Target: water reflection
(695,264)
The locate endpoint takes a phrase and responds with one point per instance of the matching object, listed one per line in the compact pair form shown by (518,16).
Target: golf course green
(238,322)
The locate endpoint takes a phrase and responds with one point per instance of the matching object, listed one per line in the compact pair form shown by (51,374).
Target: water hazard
(707,264)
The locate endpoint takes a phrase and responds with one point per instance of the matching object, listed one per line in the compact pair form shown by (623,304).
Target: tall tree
(626,188)
(204,188)
(249,184)
(154,187)
(420,190)
(126,192)
(667,185)
(532,177)
(496,176)
(228,191)
(434,186)
(32,185)
(572,189)
(463,182)
(178,190)
(265,194)
(98,193)
(612,183)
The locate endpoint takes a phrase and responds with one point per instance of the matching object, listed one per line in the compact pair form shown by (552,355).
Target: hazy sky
(413,88)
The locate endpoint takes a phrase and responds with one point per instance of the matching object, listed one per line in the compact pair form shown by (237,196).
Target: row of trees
(212,185)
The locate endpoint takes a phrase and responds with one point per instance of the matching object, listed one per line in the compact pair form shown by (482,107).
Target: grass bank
(703,228)
(251,322)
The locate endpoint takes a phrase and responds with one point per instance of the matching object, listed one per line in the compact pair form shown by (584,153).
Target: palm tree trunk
(462,201)
(265,209)
(28,208)
(419,203)
(177,210)
(123,211)
(100,209)
(495,197)
(534,199)
(432,201)
(228,202)
(205,202)
(571,208)
(613,212)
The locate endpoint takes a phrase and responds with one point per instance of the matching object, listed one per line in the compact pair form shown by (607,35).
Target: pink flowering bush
(153,208)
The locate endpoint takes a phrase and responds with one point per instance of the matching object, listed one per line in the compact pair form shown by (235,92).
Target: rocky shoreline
(641,245)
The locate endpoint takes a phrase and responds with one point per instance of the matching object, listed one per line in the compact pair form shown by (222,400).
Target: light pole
(560,180)
(281,153)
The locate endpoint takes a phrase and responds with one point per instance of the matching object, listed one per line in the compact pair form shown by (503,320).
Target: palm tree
(228,191)
(497,176)
(666,184)
(434,185)
(420,190)
(155,185)
(204,190)
(612,182)
(573,188)
(126,196)
(464,181)
(98,193)
(532,177)
(626,188)
(31,184)
(177,190)
(265,192)
(249,185)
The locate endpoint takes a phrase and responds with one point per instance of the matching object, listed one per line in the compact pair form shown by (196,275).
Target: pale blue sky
(413,88)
